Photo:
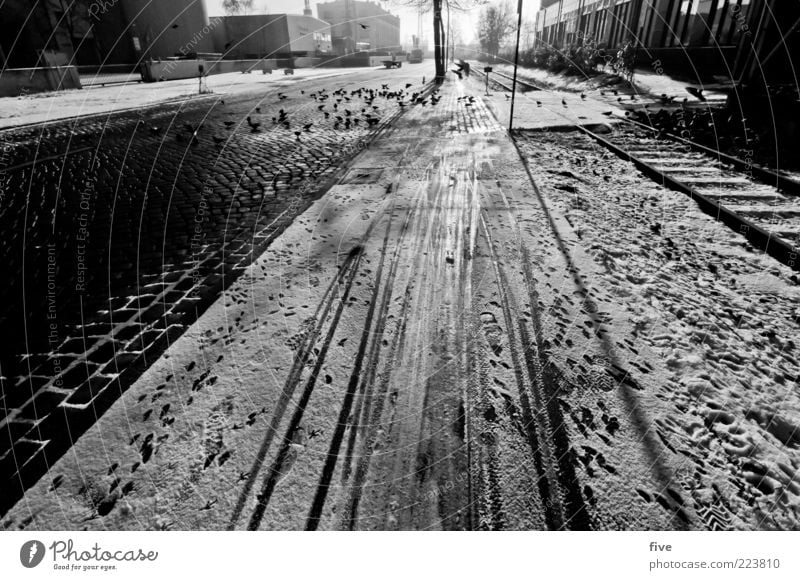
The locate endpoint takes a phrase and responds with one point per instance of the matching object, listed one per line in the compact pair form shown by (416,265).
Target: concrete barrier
(17,81)
(228,66)
(306,61)
(168,70)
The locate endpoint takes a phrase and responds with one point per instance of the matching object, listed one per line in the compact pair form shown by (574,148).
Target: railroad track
(760,204)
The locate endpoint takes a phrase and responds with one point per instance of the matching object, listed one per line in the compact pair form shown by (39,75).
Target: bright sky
(408,17)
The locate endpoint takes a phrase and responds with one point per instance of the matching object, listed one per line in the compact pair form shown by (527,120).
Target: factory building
(743,38)
(650,23)
(272,36)
(360,26)
(92,32)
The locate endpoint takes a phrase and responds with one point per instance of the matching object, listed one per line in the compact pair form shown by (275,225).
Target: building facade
(647,23)
(745,39)
(96,32)
(272,36)
(357,26)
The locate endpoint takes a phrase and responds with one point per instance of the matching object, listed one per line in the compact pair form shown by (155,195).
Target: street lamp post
(516,61)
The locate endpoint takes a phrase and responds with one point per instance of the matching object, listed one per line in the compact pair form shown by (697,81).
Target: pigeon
(297,134)
(254,125)
(538,103)
(409,85)
(698,93)
(308,127)
(363,26)
(564,103)
(229,124)
(583,96)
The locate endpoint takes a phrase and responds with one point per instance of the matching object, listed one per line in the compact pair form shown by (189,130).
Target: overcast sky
(408,18)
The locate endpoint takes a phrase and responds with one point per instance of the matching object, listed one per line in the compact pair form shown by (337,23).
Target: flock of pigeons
(674,116)
(343,109)
(340,109)
(716,127)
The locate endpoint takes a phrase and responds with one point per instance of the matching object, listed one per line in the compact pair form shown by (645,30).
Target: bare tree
(495,23)
(439,36)
(237,6)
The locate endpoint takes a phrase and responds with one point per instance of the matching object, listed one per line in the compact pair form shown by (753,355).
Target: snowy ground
(442,343)
(717,320)
(43,107)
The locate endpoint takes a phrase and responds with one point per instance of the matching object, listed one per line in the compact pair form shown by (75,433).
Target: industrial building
(722,35)
(656,23)
(94,32)
(272,36)
(360,26)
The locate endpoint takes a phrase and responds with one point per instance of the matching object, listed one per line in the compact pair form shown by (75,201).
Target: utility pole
(516,62)
(348,18)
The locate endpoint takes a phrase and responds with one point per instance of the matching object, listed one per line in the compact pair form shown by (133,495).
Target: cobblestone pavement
(115,248)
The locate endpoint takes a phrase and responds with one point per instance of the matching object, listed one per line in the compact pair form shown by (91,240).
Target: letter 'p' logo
(31,553)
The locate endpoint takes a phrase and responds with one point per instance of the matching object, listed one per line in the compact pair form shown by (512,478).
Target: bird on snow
(698,93)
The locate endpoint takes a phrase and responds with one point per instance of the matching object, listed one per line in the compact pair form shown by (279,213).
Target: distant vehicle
(415,55)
